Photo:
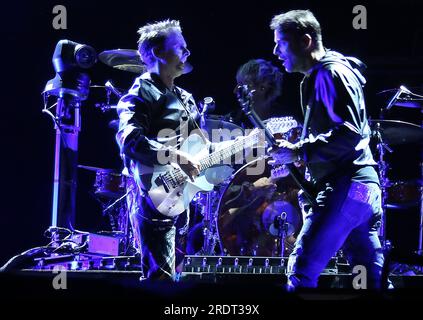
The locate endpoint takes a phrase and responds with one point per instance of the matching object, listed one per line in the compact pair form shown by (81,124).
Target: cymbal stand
(384,181)
(123,224)
(106,106)
(209,225)
(282,230)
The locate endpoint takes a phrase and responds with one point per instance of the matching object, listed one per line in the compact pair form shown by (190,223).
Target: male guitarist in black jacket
(335,147)
(153,104)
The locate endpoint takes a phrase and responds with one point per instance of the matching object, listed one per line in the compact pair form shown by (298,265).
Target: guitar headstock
(281,124)
(279,171)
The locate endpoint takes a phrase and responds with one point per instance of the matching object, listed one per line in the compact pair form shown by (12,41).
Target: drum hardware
(111,190)
(119,216)
(209,225)
(203,238)
(110,88)
(281,226)
(394,194)
(399,194)
(384,181)
(249,211)
(397,132)
(415,101)
(403,98)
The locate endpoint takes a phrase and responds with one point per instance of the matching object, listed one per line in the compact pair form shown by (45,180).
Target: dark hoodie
(337,133)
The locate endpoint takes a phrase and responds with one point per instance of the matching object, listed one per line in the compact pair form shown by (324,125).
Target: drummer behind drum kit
(249,215)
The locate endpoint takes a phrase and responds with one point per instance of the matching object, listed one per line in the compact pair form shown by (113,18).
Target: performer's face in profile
(288,49)
(174,54)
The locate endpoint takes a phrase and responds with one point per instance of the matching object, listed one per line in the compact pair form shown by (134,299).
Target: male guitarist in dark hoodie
(152,104)
(335,147)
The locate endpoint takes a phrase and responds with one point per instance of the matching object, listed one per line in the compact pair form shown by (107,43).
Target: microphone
(394,98)
(207,105)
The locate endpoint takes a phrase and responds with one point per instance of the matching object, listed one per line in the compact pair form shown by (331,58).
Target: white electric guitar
(172,190)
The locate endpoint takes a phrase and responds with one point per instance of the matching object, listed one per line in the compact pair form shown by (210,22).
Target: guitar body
(172,201)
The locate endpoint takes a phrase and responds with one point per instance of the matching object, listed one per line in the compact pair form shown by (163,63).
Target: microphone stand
(282,228)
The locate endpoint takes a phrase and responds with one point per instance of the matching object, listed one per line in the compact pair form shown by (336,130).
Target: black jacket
(146,112)
(152,119)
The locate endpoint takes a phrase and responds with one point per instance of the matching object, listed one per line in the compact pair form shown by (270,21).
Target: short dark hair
(259,72)
(299,22)
(154,35)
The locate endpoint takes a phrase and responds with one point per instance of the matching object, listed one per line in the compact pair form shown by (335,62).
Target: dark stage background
(221,36)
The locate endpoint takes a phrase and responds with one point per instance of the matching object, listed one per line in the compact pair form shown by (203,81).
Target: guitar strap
(306,109)
(184,103)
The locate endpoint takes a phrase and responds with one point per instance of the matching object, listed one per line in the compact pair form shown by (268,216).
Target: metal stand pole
(207,224)
(210,224)
(384,181)
(68,125)
(420,249)
(282,227)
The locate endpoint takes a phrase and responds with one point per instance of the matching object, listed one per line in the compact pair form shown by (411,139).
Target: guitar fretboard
(227,152)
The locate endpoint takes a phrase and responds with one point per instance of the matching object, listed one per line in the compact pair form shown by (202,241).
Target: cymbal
(95,169)
(129,60)
(414,104)
(123,59)
(395,132)
(393,90)
(96,86)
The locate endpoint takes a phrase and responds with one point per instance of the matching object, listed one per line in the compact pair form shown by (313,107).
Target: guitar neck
(254,118)
(217,157)
(299,179)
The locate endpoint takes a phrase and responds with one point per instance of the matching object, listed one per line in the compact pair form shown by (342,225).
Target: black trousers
(157,241)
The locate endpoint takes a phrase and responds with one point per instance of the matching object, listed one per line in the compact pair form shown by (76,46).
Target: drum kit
(400,195)
(253,215)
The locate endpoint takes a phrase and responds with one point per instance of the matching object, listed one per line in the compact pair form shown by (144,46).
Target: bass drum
(249,210)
